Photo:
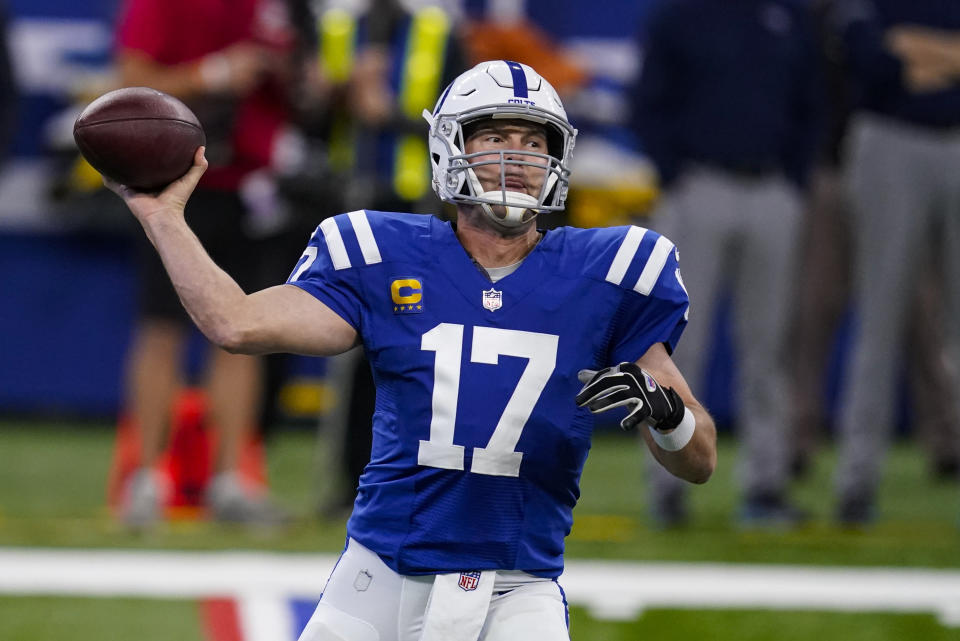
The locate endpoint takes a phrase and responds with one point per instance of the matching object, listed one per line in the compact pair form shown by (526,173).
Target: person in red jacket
(230,62)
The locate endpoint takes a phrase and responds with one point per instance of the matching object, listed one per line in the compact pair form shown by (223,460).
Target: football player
(491,343)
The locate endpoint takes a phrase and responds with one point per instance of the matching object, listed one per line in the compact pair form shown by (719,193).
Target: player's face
(510,136)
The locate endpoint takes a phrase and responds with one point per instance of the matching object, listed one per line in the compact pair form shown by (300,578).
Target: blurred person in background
(902,154)
(391,59)
(824,289)
(8,88)
(231,63)
(822,279)
(726,107)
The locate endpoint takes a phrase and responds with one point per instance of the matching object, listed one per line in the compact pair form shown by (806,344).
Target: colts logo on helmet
(407,296)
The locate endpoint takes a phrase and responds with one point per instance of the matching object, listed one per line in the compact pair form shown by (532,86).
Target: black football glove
(628,385)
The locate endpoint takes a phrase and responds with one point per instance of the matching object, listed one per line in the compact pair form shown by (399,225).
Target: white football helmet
(499,89)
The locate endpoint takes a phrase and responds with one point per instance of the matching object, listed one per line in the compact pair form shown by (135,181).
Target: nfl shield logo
(469,581)
(492,299)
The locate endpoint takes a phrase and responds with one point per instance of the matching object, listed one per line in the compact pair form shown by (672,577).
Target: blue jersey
(478,445)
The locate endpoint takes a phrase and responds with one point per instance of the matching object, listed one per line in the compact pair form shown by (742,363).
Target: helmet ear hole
(548,197)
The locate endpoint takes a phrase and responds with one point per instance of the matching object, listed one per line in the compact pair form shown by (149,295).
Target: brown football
(139,137)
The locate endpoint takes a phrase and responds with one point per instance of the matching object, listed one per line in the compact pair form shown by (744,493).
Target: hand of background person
(923,78)
(315,90)
(931,57)
(370,93)
(237,68)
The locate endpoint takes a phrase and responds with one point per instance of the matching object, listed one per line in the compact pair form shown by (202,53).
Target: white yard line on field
(608,589)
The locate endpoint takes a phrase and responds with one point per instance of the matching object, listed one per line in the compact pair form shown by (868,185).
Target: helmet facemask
(514,207)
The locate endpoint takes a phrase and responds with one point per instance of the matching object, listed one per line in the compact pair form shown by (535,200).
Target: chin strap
(517,203)
(514,212)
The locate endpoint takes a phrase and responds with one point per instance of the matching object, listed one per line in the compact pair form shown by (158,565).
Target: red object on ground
(188,455)
(188,459)
(221,620)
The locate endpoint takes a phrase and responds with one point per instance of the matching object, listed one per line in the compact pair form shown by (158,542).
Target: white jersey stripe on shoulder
(655,262)
(628,249)
(368,244)
(338,252)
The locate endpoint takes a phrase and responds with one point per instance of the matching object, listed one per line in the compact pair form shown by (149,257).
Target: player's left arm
(677,429)
(696,460)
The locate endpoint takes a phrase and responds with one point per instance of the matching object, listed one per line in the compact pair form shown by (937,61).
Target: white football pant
(364,600)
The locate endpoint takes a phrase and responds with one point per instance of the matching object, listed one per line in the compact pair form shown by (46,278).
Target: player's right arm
(279,319)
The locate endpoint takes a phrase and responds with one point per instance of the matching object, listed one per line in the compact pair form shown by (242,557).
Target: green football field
(52,479)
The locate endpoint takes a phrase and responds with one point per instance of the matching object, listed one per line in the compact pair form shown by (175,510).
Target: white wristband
(678,437)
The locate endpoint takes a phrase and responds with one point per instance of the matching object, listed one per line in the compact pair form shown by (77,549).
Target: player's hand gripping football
(626,385)
(172,198)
